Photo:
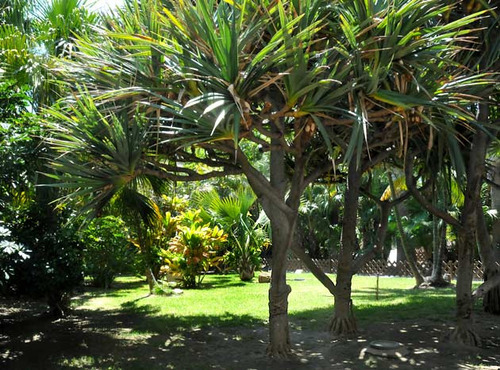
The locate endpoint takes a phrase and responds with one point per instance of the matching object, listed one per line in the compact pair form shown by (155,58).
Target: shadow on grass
(133,337)
(152,321)
(222,282)
(138,337)
(412,305)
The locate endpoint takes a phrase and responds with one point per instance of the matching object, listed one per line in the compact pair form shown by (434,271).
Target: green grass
(224,300)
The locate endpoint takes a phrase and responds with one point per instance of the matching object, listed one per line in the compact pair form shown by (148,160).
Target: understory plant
(247,234)
(107,250)
(11,255)
(193,250)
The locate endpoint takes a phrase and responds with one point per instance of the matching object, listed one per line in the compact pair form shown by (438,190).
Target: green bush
(193,250)
(107,250)
(54,267)
(247,234)
(11,255)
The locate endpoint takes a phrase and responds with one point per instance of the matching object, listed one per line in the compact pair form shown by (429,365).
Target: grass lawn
(226,301)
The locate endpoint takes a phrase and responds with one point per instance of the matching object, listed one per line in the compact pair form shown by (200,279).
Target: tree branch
(380,157)
(316,271)
(486,286)
(189,175)
(410,184)
(262,186)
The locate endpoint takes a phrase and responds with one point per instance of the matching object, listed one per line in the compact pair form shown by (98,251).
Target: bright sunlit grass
(225,300)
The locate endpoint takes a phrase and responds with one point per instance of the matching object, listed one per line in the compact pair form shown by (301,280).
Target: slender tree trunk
(495,204)
(279,337)
(281,233)
(343,321)
(491,300)
(344,303)
(466,240)
(283,216)
(464,332)
(145,253)
(439,244)
(150,279)
(282,229)
(401,257)
(409,255)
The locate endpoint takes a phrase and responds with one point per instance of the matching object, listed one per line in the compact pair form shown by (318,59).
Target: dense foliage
(107,250)
(193,249)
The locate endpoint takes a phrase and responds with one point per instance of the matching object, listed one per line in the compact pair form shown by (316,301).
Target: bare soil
(114,340)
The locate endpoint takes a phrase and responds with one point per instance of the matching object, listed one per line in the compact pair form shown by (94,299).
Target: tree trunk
(279,337)
(247,273)
(401,257)
(464,332)
(439,244)
(150,279)
(491,301)
(404,242)
(466,229)
(283,216)
(495,205)
(343,321)
(281,234)
(466,240)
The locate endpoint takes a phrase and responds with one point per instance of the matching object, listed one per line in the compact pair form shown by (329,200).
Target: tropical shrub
(248,240)
(193,250)
(107,250)
(247,234)
(55,267)
(11,254)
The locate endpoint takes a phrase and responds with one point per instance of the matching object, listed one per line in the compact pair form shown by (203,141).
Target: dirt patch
(115,340)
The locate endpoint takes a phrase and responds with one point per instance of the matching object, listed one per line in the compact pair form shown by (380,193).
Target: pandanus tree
(116,145)
(488,246)
(309,81)
(468,156)
(403,60)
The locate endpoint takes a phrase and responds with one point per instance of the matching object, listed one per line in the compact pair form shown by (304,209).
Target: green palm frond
(364,75)
(15,55)
(404,59)
(59,21)
(100,157)
(15,12)
(229,210)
